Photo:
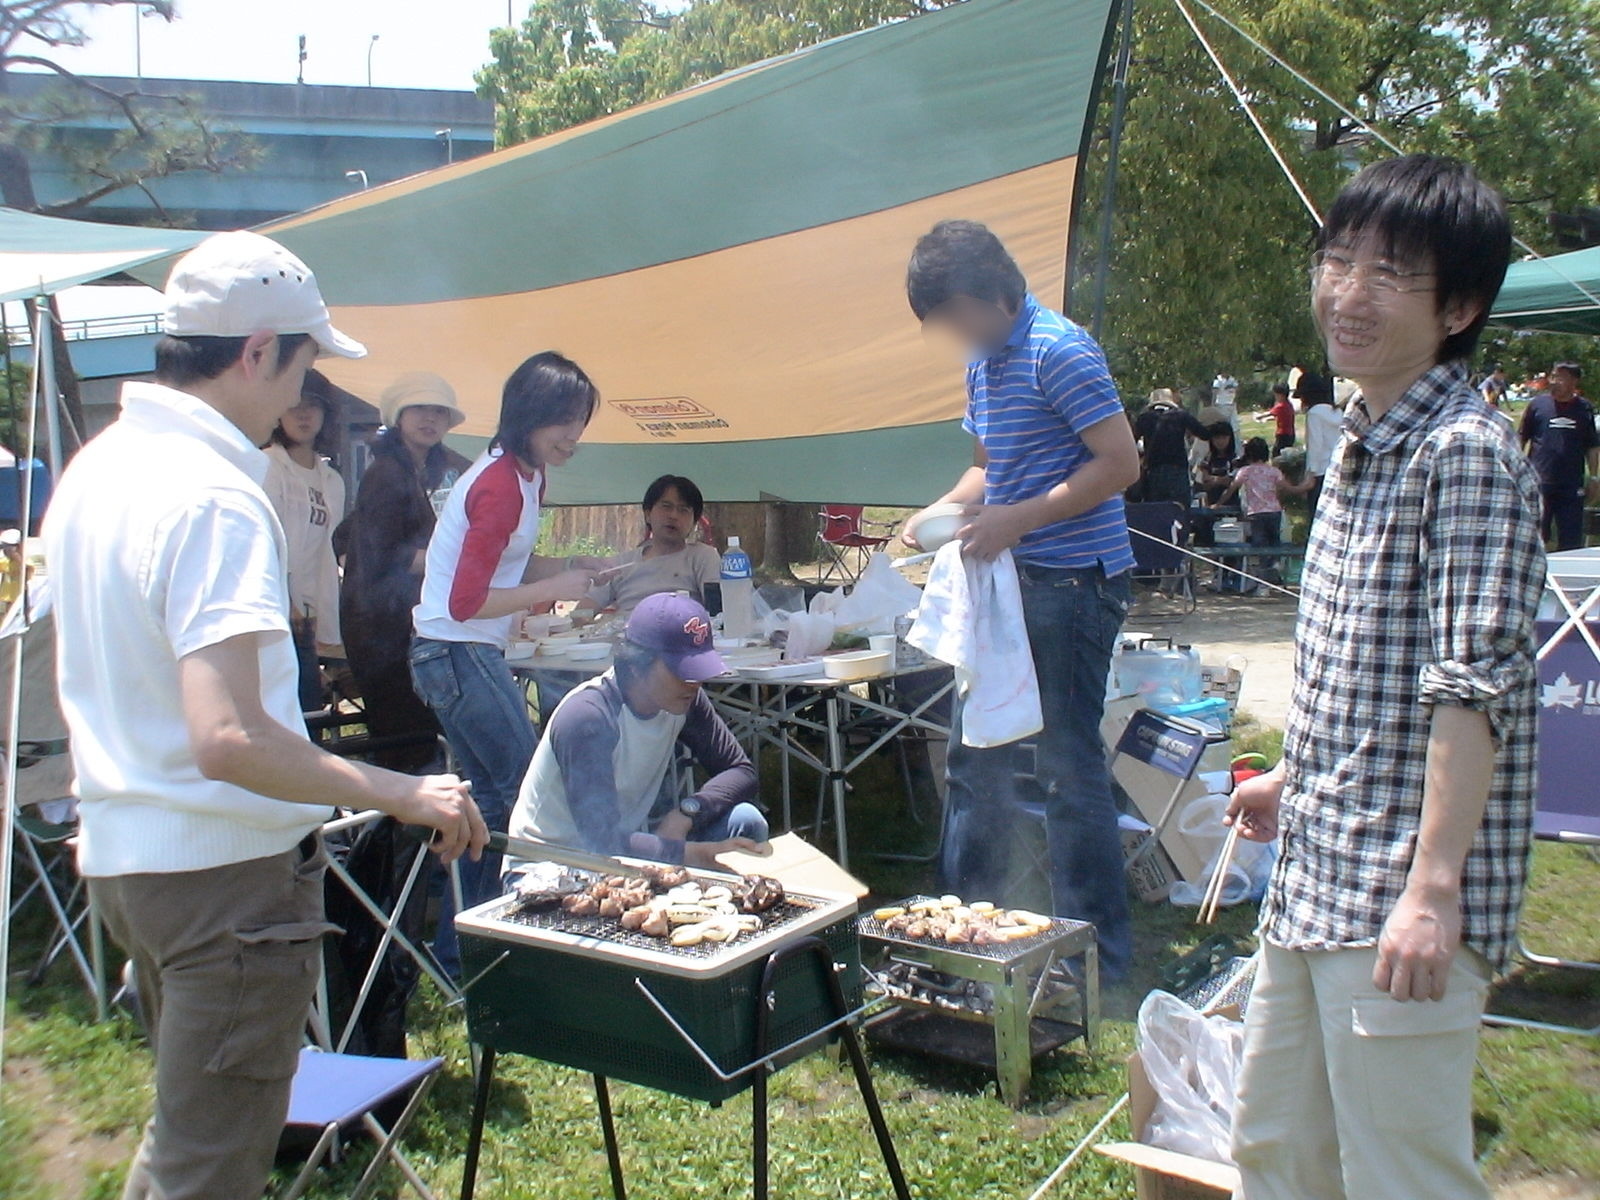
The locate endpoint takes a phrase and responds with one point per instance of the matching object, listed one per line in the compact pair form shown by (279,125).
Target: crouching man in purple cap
(603,777)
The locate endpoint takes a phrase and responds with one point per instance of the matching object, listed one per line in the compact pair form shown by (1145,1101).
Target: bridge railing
(136,325)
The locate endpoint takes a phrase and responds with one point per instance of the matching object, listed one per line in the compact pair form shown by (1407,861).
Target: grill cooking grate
(606,929)
(869,926)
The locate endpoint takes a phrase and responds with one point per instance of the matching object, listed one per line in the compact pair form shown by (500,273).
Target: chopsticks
(1219,878)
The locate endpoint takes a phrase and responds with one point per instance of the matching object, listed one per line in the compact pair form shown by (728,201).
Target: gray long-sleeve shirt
(599,769)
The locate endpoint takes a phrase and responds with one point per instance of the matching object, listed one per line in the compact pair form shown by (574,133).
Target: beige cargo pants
(1348,1094)
(227,961)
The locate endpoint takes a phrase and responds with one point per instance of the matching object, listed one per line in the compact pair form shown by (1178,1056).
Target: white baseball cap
(236,284)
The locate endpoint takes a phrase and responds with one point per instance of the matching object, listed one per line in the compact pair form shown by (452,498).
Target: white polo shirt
(161,542)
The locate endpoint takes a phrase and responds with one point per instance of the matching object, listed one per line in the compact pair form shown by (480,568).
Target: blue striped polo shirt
(1029,404)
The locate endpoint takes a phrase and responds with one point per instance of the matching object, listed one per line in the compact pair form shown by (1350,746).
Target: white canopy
(43,255)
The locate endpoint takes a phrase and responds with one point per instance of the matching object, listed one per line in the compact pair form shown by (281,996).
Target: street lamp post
(358,173)
(448,137)
(370,47)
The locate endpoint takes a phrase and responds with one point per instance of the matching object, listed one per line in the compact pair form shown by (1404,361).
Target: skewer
(1219,877)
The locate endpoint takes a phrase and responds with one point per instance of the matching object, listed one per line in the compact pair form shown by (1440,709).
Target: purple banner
(1569,736)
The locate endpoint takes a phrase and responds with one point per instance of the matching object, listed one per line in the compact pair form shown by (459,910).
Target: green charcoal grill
(705,1021)
(582,992)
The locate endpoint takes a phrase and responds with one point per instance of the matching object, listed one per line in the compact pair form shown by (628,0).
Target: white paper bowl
(939,525)
(588,651)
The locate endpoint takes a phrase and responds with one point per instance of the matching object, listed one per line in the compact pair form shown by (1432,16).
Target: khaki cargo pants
(227,961)
(1348,1094)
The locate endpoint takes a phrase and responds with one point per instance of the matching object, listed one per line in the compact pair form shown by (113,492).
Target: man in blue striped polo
(1054,453)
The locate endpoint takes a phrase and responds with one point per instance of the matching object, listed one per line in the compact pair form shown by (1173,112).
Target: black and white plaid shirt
(1422,580)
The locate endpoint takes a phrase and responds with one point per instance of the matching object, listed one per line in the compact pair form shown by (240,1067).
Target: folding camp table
(772,712)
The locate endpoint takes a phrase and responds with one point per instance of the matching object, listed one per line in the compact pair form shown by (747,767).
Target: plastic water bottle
(440,494)
(738,588)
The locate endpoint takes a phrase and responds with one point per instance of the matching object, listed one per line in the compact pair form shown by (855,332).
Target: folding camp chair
(847,544)
(44,853)
(1160,535)
(1568,806)
(43,827)
(335,1092)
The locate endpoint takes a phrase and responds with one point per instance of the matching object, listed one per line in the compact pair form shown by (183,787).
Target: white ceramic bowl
(939,525)
(858,664)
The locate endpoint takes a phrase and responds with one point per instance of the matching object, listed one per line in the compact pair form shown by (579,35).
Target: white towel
(971,618)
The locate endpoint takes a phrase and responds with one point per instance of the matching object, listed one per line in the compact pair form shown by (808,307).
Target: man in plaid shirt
(1404,801)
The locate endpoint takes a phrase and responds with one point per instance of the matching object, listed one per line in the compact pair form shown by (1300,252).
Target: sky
(256,40)
(421,43)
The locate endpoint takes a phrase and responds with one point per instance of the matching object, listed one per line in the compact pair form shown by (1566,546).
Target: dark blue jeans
(742,820)
(484,715)
(1073,618)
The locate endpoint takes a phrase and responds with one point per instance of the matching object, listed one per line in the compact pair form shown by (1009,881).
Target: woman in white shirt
(668,561)
(308,496)
(1324,423)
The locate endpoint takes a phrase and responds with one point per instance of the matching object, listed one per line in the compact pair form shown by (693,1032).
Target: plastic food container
(858,664)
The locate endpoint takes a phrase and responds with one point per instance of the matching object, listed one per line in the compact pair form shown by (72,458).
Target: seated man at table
(609,753)
(667,561)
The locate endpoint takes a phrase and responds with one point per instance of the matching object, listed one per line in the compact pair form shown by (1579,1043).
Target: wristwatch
(690,806)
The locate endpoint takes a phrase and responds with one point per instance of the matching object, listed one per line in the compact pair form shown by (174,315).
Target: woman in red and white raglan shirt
(481,578)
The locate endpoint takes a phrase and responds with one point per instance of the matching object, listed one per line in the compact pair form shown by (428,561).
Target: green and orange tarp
(1560,294)
(728,263)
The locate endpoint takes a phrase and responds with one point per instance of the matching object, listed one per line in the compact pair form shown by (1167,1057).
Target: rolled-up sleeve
(1483,568)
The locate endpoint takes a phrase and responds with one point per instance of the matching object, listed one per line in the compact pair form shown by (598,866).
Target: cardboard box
(1165,1174)
(1153,875)
(1154,754)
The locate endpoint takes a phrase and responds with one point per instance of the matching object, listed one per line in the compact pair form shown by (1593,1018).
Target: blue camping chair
(336,1092)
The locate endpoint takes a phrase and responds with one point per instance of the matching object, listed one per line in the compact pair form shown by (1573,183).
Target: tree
(1209,245)
(148,134)
(572,61)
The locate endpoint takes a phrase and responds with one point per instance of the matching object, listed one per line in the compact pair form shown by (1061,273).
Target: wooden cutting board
(798,865)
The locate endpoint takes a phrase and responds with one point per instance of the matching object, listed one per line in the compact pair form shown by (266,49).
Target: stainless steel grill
(1002,952)
(997,1006)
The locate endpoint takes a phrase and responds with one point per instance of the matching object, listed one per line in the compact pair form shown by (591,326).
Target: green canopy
(43,255)
(728,263)
(1560,294)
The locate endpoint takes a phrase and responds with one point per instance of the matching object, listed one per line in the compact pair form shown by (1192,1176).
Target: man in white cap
(201,797)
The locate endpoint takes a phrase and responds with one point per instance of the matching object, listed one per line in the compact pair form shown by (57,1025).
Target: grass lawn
(76,1092)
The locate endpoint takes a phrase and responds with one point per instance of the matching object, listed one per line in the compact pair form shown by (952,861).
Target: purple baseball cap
(679,629)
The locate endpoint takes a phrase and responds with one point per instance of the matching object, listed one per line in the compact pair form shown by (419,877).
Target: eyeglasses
(1382,280)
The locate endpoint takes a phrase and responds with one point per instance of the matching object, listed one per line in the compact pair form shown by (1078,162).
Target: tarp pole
(44,358)
(1119,108)
(14,724)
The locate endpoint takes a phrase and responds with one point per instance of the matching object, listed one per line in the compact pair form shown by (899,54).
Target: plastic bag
(809,635)
(772,605)
(1192,1062)
(880,596)
(1248,872)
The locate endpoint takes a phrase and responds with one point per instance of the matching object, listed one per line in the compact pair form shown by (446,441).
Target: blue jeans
(1073,618)
(742,820)
(1266,529)
(484,716)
